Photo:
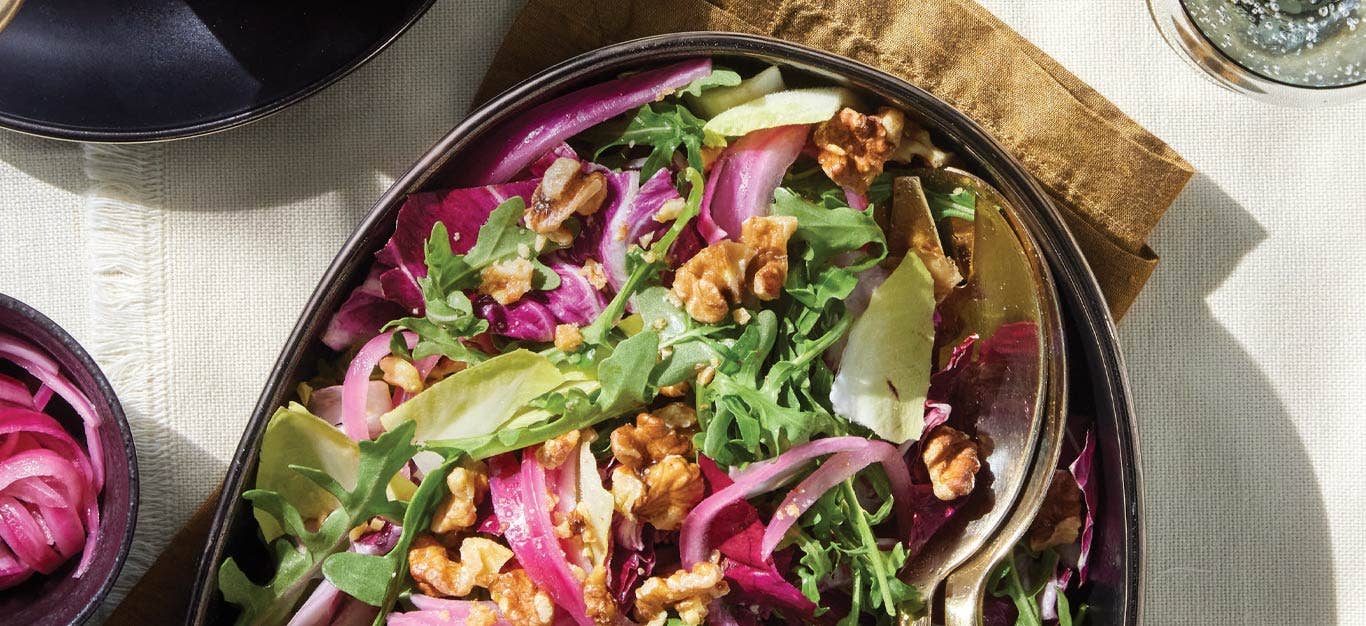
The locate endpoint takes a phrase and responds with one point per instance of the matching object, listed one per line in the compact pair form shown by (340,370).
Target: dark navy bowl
(1096,368)
(58,598)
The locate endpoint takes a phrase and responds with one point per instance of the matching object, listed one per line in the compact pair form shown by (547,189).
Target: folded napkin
(1112,179)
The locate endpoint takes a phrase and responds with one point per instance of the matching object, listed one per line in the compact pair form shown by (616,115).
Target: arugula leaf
(450,314)
(830,231)
(377,579)
(501,237)
(300,560)
(836,535)
(961,203)
(625,375)
(719,77)
(685,345)
(1022,577)
(665,127)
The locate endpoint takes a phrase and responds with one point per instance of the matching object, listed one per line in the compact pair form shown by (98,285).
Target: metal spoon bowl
(1010,283)
(7,10)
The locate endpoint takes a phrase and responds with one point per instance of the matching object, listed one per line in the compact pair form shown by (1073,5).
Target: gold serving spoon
(964,589)
(1009,283)
(7,10)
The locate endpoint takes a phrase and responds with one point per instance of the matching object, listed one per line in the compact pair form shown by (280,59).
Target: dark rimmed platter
(1098,376)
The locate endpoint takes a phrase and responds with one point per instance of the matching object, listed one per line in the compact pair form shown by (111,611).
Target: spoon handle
(965,586)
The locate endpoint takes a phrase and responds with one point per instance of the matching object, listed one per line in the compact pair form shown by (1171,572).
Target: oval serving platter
(1097,370)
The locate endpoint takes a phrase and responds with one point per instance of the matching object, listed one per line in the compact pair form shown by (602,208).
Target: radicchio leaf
(360,318)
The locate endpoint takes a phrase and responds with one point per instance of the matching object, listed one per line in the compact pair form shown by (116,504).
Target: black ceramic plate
(104,71)
(1097,370)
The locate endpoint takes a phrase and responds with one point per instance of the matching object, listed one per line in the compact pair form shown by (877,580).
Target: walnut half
(768,236)
(713,280)
(688,592)
(655,481)
(436,574)
(952,460)
(1059,519)
(564,190)
(853,146)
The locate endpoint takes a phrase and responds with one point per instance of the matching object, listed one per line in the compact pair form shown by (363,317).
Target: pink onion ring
(768,475)
(520,499)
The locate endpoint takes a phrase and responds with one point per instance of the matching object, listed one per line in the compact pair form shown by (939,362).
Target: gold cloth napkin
(1112,179)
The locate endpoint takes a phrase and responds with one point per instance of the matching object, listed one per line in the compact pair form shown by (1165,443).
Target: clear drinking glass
(1289,52)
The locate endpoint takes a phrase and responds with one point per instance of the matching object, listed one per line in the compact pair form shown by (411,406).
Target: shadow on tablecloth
(1236,526)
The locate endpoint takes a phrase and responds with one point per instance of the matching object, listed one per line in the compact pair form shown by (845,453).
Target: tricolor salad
(683,352)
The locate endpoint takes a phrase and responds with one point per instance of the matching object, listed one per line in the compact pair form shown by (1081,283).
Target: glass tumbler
(1289,52)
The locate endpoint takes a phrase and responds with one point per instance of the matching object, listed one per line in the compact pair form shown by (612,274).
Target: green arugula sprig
(644,267)
(1022,577)
(450,314)
(746,417)
(376,579)
(301,554)
(836,537)
(665,127)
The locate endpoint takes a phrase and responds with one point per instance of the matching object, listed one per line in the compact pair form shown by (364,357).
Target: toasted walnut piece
(654,436)
(521,602)
(481,615)
(445,367)
(565,189)
(555,452)
(768,236)
(677,390)
(714,279)
(688,592)
(561,236)
(952,460)
(916,142)
(894,120)
(592,272)
(852,148)
(602,609)
(436,574)
(1059,519)
(459,510)
(507,281)
(705,374)
(673,487)
(627,491)
(401,373)
(669,210)
(568,337)
(678,416)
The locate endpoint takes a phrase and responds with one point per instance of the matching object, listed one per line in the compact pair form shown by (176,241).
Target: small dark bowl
(58,598)
(1097,370)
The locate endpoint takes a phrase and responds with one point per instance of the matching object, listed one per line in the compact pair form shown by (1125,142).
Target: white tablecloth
(184,274)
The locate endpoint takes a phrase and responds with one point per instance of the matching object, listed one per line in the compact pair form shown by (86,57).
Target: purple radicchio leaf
(1082,469)
(462,211)
(361,316)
